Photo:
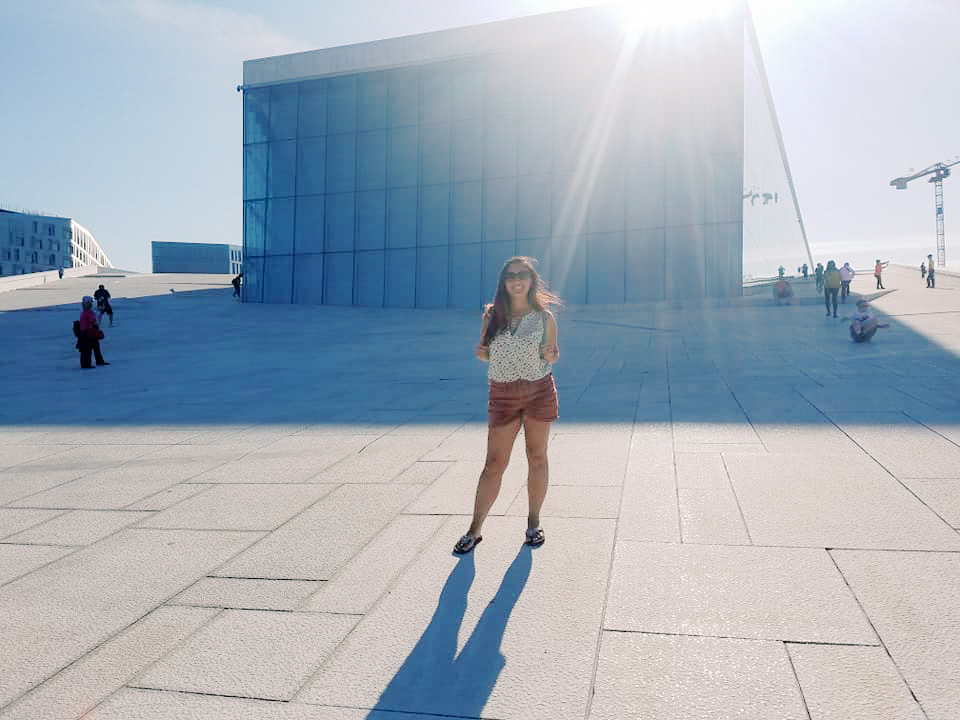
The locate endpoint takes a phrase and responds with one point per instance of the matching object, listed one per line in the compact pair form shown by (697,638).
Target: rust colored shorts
(509,401)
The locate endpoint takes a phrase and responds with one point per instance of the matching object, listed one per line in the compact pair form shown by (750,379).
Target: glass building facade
(403,173)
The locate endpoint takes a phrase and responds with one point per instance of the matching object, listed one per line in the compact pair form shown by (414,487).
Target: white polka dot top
(515,354)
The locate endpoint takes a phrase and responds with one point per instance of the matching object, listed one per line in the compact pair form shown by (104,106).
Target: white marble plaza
(249,514)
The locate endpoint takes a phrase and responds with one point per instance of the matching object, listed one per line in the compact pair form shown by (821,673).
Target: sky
(125,115)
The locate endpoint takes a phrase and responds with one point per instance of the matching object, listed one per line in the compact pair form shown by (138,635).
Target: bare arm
(483,351)
(549,349)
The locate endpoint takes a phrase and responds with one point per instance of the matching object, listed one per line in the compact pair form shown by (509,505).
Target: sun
(639,16)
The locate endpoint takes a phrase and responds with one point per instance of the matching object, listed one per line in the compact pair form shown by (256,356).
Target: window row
(601,268)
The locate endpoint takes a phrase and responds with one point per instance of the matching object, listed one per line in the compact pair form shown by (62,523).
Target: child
(863,324)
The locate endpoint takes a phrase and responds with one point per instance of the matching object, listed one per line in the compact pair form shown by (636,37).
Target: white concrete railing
(12,282)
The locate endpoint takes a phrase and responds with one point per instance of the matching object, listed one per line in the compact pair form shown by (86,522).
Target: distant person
(863,324)
(805,270)
(60,272)
(818,274)
(831,286)
(846,275)
(236,284)
(519,341)
(931,282)
(923,270)
(90,335)
(780,271)
(877,270)
(104,307)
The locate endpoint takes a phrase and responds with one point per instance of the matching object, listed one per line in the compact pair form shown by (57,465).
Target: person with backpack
(89,335)
(846,275)
(831,286)
(102,296)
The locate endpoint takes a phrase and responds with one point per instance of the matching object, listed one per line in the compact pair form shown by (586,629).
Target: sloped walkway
(250,513)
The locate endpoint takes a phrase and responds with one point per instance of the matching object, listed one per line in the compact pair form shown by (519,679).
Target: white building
(34,243)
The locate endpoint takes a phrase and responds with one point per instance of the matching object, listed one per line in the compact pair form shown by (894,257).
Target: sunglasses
(521,275)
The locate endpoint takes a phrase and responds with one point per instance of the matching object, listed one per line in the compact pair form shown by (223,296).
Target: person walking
(923,270)
(102,296)
(877,270)
(519,341)
(90,335)
(831,286)
(846,275)
(236,284)
(931,282)
(818,274)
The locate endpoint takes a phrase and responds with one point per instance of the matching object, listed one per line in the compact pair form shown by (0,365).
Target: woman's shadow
(434,679)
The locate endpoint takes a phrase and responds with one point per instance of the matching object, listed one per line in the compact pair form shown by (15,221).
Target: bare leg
(537,434)
(499,445)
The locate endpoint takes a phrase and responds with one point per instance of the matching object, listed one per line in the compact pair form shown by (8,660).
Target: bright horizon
(125,115)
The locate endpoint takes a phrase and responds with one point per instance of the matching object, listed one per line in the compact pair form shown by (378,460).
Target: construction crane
(939,170)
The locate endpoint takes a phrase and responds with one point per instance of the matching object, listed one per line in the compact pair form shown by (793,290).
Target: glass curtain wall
(618,166)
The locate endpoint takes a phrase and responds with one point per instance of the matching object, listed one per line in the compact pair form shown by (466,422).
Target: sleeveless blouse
(515,354)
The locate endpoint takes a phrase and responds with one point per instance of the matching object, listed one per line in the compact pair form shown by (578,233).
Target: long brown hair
(498,312)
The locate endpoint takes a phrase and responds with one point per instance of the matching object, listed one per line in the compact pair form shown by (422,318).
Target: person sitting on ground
(863,323)
(782,291)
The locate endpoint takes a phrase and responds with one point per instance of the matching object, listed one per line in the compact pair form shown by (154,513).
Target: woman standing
(519,340)
(90,335)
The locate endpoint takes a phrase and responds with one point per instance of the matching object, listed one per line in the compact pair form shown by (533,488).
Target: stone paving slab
(749,515)
(693,678)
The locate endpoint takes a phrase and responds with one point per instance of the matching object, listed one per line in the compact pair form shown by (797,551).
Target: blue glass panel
(372,160)
(277,278)
(313,108)
(252,278)
(606,258)
(372,101)
(402,218)
(500,210)
(370,280)
(467,151)
(646,265)
(434,215)
(402,157)
(282,169)
(435,155)
(338,279)
(254,227)
(435,97)
(723,182)
(283,112)
(722,253)
(309,224)
(308,279)
(605,212)
(338,217)
(466,290)
(342,104)
(256,115)
(569,205)
(371,219)
(494,256)
(403,97)
(500,156)
(465,218)
(254,171)
(311,166)
(279,239)
(341,162)
(432,277)
(535,146)
(533,213)
(568,268)
(469,87)
(401,278)
(646,185)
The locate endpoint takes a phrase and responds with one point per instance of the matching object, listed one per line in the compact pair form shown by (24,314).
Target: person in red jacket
(90,335)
